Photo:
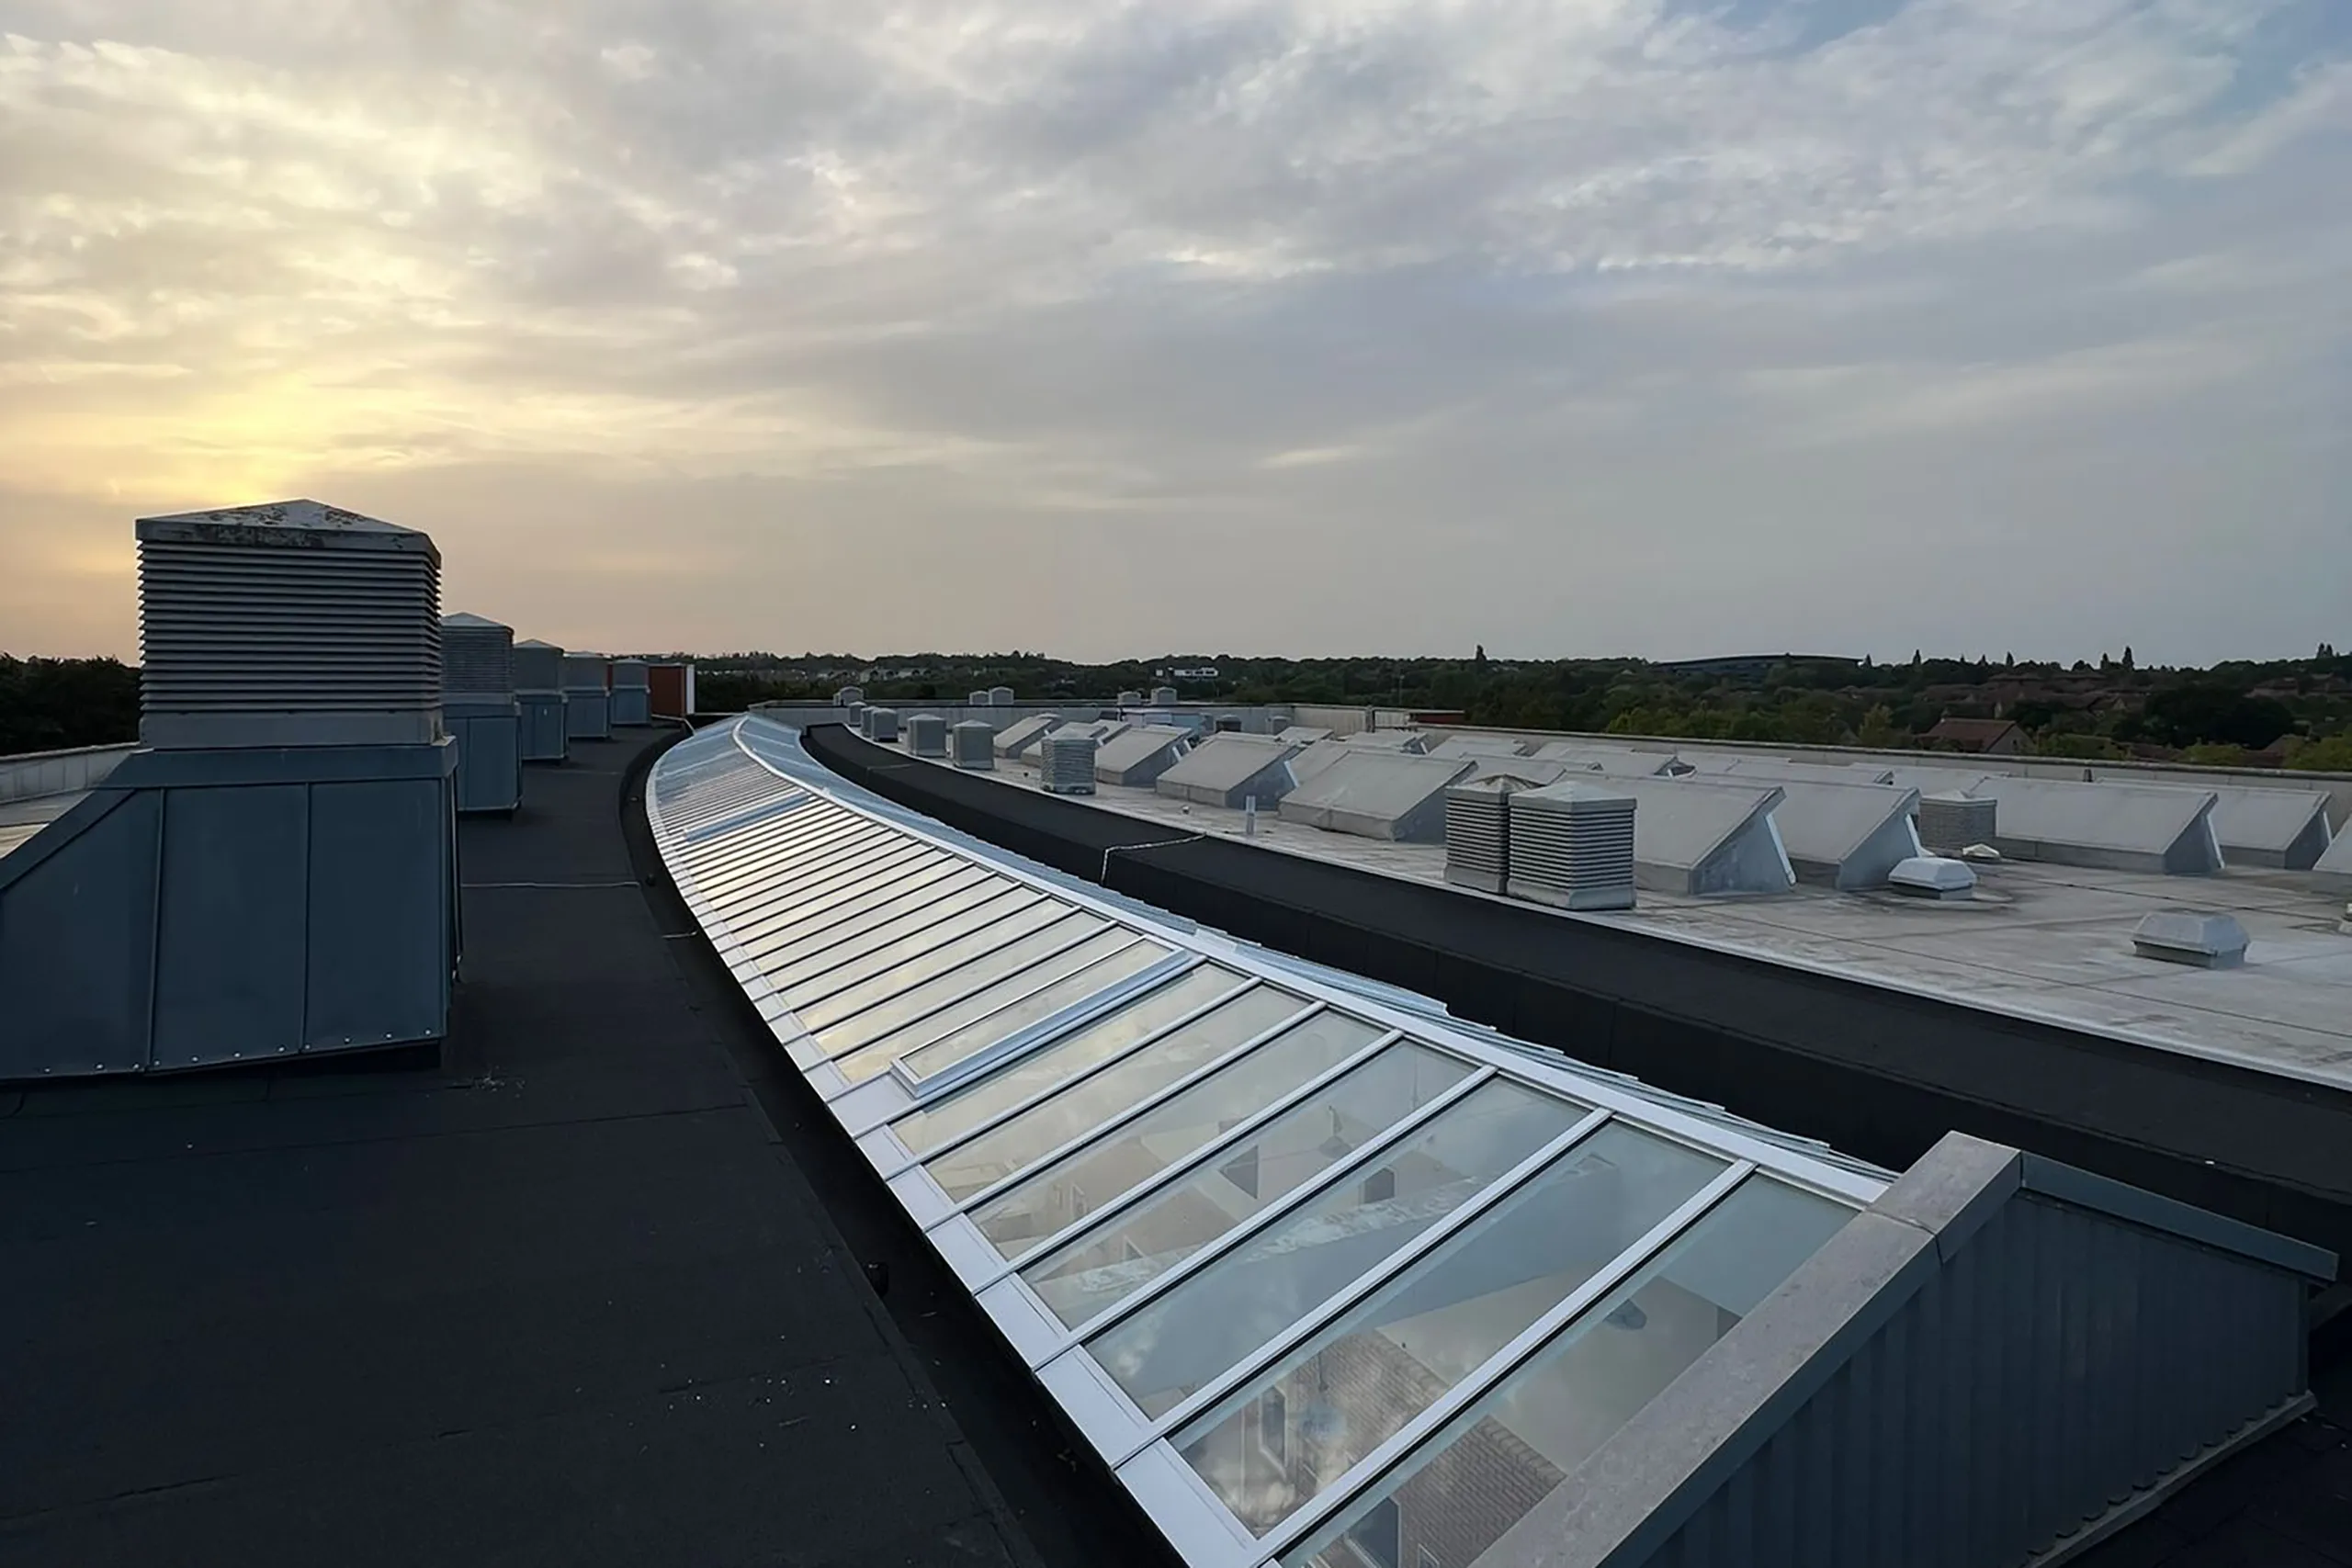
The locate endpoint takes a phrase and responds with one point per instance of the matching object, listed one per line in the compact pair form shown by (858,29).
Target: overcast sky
(1569,327)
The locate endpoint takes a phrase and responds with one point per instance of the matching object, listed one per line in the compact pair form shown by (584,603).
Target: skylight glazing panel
(835,858)
(852,934)
(1101,1267)
(1208,1323)
(1083,1049)
(1485,1470)
(893,951)
(866,1012)
(1004,1150)
(774,907)
(1357,1382)
(950,1049)
(876,1056)
(775,845)
(1124,1158)
(809,916)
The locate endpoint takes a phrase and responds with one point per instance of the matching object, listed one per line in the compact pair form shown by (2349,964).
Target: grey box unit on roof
(1950,823)
(849,697)
(1015,739)
(1230,770)
(1163,697)
(587,696)
(1130,699)
(1930,877)
(972,744)
(1000,696)
(927,734)
(978,700)
(482,711)
(882,726)
(1478,831)
(538,693)
(293,624)
(632,694)
(1066,762)
(1571,845)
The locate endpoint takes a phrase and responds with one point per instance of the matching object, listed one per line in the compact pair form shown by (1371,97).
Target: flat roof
(2042,942)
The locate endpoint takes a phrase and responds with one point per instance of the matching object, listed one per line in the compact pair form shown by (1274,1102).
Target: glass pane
(1088,1178)
(1387,1359)
(1077,1110)
(1107,1264)
(1478,1475)
(851,932)
(810,914)
(863,1062)
(1064,1059)
(900,942)
(1199,1329)
(945,973)
(836,859)
(781,906)
(973,1038)
(777,854)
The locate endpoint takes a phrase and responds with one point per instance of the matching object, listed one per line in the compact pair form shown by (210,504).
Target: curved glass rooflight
(1325,1278)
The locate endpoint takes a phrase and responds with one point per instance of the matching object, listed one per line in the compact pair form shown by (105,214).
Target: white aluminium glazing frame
(748,779)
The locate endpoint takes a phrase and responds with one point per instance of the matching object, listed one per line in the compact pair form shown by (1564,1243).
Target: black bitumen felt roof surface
(588,1285)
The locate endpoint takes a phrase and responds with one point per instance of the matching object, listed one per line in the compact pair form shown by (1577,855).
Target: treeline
(2295,711)
(54,705)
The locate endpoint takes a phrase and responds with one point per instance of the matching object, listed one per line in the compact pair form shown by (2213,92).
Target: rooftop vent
(538,666)
(2191,936)
(978,700)
(882,726)
(480,710)
(849,697)
(632,693)
(927,734)
(972,744)
(1950,823)
(1131,699)
(1478,831)
(291,623)
(1000,696)
(1571,845)
(587,696)
(1066,763)
(1163,697)
(1930,876)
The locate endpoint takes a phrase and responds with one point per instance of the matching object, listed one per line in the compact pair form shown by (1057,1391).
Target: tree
(2333,755)
(2127,656)
(1879,731)
(2009,661)
(2212,712)
(2090,747)
(1915,658)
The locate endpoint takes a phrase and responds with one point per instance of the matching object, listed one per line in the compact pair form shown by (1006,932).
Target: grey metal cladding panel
(228,969)
(76,935)
(489,763)
(377,971)
(2059,1362)
(544,731)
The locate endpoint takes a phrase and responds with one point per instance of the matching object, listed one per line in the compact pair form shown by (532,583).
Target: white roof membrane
(1849,836)
(1140,756)
(1228,769)
(1479,746)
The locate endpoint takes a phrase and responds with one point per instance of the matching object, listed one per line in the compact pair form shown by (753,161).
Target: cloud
(961,298)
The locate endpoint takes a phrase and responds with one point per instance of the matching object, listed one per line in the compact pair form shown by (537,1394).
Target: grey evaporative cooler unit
(882,726)
(980,700)
(587,696)
(927,734)
(1477,830)
(1572,847)
(538,692)
(972,744)
(273,872)
(1066,765)
(632,694)
(479,707)
(1950,822)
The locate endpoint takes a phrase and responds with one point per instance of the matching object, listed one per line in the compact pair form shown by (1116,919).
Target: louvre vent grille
(630,674)
(1949,823)
(477,658)
(927,734)
(584,673)
(1477,834)
(1066,765)
(1572,846)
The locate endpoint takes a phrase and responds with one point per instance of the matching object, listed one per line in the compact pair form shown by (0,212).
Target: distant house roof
(1977,734)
